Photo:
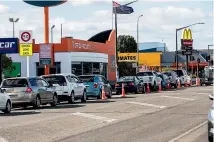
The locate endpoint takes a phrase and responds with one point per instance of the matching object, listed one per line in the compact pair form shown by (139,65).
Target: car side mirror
(211,96)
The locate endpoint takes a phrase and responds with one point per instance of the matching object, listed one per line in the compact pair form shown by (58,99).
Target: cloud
(3,9)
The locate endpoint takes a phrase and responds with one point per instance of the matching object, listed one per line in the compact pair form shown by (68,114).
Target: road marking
(189,99)
(96,117)
(203,93)
(145,104)
(188,132)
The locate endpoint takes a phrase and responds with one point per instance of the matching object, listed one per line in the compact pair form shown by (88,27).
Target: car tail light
(29,90)
(131,84)
(116,85)
(95,85)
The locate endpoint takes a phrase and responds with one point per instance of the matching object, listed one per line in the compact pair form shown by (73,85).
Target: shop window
(96,68)
(77,68)
(40,70)
(87,68)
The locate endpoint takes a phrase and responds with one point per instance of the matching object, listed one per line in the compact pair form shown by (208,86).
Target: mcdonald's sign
(186,39)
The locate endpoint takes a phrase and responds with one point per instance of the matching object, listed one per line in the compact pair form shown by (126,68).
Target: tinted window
(39,83)
(179,73)
(33,82)
(86,78)
(15,83)
(145,74)
(168,73)
(44,82)
(69,78)
(55,79)
(126,78)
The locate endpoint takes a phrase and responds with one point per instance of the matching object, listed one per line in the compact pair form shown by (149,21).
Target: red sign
(187,42)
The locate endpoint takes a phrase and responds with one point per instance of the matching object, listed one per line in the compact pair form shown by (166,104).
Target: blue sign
(45,3)
(8,45)
(45,61)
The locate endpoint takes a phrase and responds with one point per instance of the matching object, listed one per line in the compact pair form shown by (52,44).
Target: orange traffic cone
(186,84)
(123,91)
(179,84)
(103,93)
(147,88)
(160,87)
(168,85)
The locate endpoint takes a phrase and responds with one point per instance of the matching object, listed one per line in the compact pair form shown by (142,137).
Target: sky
(81,19)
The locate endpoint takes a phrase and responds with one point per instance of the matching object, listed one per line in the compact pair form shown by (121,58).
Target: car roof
(23,77)
(92,75)
(63,74)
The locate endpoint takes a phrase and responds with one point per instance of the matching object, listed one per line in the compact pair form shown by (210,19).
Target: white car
(68,87)
(5,102)
(183,76)
(150,77)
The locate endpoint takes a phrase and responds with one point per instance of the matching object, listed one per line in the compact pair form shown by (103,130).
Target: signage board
(8,45)
(187,52)
(25,49)
(127,57)
(45,54)
(186,42)
(25,36)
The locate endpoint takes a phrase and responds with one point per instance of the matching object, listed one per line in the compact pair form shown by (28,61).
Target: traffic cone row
(147,88)
(198,83)
(179,83)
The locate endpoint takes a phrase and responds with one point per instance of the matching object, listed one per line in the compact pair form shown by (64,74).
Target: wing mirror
(211,96)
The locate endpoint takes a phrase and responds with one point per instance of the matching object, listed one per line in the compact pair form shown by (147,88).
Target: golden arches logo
(187,34)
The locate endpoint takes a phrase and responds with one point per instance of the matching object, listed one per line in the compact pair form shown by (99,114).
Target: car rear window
(179,73)
(126,78)
(14,83)
(145,74)
(55,79)
(86,78)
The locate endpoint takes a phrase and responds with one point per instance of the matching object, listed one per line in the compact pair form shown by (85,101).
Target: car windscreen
(168,73)
(179,73)
(126,78)
(9,83)
(88,78)
(145,74)
(56,79)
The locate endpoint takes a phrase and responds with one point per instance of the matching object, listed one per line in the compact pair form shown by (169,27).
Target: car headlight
(206,79)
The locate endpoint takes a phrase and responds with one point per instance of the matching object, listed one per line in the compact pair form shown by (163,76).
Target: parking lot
(167,116)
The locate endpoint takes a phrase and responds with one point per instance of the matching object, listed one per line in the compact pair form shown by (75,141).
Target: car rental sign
(8,45)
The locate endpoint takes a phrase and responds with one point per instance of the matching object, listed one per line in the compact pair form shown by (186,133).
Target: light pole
(52,33)
(137,69)
(12,20)
(177,40)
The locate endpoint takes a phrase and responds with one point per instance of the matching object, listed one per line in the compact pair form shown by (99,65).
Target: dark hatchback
(132,84)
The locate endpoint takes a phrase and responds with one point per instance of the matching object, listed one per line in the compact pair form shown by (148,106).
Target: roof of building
(149,45)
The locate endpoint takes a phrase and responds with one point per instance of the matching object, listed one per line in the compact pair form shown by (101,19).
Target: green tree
(7,64)
(126,44)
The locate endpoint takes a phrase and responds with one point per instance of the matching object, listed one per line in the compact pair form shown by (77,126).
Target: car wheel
(71,98)
(55,100)
(144,89)
(137,90)
(154,86)
(117,93)
(37,103)
(7,107)
(210,139)
(176,85)
(109,94)
(84,97)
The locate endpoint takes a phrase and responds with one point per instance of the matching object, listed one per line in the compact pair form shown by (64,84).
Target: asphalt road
(168,116)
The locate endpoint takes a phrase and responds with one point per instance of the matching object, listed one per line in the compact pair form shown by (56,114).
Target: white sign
(26,36)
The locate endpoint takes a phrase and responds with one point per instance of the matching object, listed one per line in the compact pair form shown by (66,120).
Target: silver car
(26,91)
(211,121)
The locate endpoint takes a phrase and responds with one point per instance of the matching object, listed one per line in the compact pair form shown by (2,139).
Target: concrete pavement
(143,117)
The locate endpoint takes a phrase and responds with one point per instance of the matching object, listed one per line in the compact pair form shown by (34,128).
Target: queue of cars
(55,88)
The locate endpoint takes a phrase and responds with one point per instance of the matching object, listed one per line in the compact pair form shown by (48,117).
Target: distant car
(94,85)
(5,102)
(149,77)
(68,87)
(132,84)
(211,121)
(26,91)
(183,76)
(173,77)
(164,80)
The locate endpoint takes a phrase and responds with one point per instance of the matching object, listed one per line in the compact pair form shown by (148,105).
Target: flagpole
(116,48)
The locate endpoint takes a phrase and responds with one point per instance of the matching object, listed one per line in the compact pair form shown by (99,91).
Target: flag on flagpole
(122,9)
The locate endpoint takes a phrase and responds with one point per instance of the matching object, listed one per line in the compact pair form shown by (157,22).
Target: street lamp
(177,40)
(52,33)
(137,69)
(12,20)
